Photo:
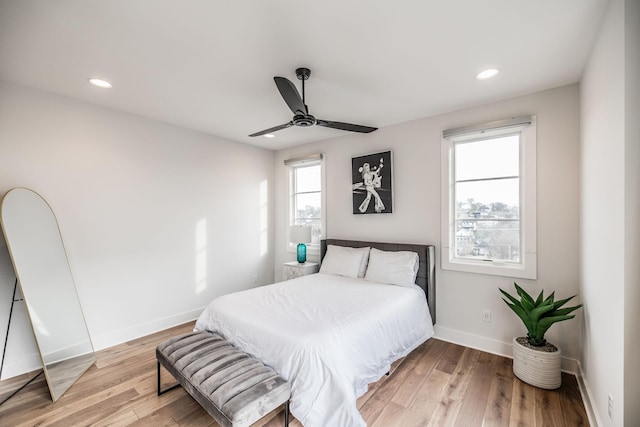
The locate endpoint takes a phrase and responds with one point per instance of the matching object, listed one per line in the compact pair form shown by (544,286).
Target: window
(306,199)
(489,198)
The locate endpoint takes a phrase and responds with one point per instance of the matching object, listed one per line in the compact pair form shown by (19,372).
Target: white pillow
(395,268)
(345,261)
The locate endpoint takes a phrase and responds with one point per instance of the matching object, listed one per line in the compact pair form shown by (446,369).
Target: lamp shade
(300,234)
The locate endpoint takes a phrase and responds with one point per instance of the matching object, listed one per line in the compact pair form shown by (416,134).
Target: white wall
(461,297)
(157,220)
(603,217)
(610,273)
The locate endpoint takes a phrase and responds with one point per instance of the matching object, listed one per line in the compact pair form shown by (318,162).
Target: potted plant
(535,361)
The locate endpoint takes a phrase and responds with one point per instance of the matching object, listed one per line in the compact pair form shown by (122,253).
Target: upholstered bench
(234,387)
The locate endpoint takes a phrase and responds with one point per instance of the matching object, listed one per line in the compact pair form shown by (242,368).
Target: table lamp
(300,234)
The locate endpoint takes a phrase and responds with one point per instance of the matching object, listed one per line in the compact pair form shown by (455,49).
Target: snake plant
(538,315)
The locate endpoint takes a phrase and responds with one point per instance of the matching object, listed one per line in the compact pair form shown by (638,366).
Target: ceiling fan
(301,116)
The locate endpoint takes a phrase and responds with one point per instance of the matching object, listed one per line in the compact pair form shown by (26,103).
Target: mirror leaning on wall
(44,278)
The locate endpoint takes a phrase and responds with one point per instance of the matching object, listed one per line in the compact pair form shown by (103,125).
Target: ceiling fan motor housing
(303,74)
(304,120)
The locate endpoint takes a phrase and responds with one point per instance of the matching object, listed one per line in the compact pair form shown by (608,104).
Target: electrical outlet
(486,315)
(610,406)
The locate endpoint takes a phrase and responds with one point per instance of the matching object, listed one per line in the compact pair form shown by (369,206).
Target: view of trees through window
(489,231)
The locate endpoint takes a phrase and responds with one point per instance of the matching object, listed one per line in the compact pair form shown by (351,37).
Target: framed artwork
(372,183)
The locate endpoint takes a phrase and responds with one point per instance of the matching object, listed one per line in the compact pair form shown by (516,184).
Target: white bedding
(330,336)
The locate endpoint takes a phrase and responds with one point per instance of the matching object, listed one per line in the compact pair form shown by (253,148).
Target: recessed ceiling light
(269,135)
(100,83)
(487,74)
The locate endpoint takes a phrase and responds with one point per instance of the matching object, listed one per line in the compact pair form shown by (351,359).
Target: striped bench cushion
(235,388)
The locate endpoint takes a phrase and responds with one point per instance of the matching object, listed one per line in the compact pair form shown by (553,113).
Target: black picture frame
(376,170)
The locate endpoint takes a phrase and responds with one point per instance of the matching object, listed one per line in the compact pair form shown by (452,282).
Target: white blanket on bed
(330,336)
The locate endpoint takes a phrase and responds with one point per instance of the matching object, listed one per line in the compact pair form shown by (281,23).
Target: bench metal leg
(160,391)
(286,414)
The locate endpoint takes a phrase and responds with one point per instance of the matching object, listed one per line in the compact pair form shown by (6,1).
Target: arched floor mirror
(40,262)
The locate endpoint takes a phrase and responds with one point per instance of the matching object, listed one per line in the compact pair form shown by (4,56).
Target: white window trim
(527,268)
(312,248)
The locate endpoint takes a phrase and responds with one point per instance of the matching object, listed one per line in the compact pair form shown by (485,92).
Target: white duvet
(330,336)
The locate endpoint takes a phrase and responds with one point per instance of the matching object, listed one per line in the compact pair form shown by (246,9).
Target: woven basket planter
(538,367)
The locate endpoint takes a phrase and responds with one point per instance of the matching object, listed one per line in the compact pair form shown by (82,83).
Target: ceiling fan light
(487,74)
(100,83)
(269,135)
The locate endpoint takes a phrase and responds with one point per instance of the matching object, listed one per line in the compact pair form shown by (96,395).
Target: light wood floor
(439,384)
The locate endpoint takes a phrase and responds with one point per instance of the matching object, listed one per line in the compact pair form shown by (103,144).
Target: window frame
(527,267)
(291,166)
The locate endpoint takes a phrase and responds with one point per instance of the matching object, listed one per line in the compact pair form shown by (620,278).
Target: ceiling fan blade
(290,95)
(273,129)
(345,126)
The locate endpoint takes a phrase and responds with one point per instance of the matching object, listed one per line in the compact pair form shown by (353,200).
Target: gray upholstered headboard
(426,278)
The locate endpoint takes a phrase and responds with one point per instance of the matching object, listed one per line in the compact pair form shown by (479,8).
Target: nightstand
(294,269)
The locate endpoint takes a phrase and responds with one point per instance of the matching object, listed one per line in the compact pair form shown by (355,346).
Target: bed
(332,333)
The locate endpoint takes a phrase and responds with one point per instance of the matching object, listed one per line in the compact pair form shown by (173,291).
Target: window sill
(526,270)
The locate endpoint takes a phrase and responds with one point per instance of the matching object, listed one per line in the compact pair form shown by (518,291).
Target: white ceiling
(209,65)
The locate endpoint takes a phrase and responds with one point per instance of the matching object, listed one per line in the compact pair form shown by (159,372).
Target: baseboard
(14,367)
(587,398)
(69,352)
(111,338)
(490,345)
(32,362)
